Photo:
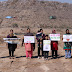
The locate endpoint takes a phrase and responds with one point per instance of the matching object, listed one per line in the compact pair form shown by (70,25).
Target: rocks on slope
(35,13)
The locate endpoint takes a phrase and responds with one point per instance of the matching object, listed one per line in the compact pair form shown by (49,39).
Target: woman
(40,37)
(67,46)
(11,47)
(29,52)
(54,46)
(43,35)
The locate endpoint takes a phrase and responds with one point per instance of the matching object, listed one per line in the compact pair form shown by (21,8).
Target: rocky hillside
(33,13)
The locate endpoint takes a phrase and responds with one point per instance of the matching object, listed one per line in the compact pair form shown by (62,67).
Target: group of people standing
(54,45)
(40,36)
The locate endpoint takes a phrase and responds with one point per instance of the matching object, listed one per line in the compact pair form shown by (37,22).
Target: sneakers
(38,57)
(42,57)
(45,58)
(29,57)
(11,57)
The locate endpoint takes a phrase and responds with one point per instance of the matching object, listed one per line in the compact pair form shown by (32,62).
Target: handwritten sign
(67,38)
(29,39)
(46,45)
(55,37)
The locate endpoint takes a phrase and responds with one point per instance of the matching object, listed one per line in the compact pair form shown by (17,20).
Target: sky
(63,1)
(3,0)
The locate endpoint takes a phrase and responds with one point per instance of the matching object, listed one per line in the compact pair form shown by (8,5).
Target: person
(39,43)
(46,53)
(54,46)
(28,46)
(67,46)
(43,35)
(38,35)
(11,47)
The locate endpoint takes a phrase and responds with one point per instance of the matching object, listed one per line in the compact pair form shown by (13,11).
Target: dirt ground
(21,64)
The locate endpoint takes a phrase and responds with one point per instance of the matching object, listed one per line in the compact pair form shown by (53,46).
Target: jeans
(67,53)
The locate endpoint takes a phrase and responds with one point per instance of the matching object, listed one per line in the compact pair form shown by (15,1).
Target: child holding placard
(46,52)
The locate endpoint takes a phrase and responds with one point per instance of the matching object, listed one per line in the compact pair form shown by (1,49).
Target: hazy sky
(3,0)
(63,1)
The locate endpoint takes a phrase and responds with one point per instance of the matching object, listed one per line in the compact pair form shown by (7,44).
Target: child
(46,52)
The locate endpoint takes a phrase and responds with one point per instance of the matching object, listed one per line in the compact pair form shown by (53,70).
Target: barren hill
(33,13)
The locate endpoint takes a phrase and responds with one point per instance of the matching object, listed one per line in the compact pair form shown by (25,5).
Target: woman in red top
(54,46)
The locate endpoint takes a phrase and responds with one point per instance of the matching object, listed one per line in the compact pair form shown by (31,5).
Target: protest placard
(29,39)
(11,38)
(46,45)
(55,37)
(12,42)
(67,38)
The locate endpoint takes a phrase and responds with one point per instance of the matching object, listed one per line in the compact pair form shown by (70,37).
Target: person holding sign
(67,47)
(11,47)
(28,46)
(54,46)
(46,46)
(40,37)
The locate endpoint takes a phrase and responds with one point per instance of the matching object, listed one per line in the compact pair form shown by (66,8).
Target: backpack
(55,45)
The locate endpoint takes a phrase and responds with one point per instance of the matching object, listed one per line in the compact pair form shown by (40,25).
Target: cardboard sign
(55,37)
(29,39)
(67,38)
(46,45)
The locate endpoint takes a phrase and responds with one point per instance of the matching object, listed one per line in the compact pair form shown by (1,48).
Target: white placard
(55,37)
(29,39)
(11,38)
(12,42)
(67,38)
(46,45)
